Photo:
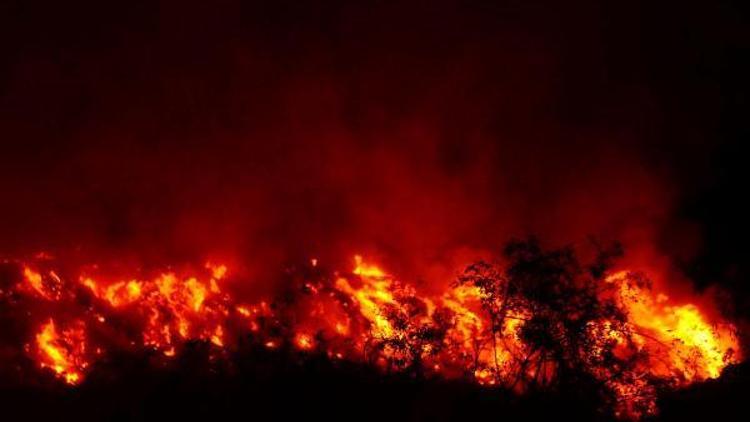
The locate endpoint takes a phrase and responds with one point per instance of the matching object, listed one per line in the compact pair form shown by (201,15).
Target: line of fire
(533,319)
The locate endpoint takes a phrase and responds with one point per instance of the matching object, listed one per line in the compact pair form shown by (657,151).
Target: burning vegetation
(535,320)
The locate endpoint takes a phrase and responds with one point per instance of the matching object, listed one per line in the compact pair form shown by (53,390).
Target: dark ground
(280,386)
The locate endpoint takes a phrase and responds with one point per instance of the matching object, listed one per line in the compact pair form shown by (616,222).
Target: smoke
(267,134)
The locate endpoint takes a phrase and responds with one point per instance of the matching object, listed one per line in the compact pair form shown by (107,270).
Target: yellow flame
(36,282)
(304,341)
(694,349)
(59,356)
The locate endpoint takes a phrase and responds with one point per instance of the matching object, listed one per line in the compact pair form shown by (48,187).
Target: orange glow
(218,271)
(63,352)
(47,288)
(683,343)
(367,315)
(218,337)
(174,306)
(304,341)
(35,280)
(366,270)
(374,294)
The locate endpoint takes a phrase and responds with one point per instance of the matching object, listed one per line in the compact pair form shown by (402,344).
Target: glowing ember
(304,341)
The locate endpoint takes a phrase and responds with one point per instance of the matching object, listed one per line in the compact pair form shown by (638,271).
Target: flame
(304,341)
(687,346)
(372,297)
(368,315)
(366,270)
(218,271)
(48,287)
(173,306)
(64,352)
(35,280)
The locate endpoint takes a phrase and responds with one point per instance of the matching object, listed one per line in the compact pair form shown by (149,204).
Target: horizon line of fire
(357,315)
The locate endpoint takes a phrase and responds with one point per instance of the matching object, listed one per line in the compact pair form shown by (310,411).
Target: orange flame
(684,345)
(64,352)
(368,315)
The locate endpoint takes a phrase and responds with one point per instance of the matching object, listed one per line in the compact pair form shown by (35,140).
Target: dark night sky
(422,132)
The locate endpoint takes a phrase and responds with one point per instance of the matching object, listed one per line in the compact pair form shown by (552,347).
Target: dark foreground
(265,385)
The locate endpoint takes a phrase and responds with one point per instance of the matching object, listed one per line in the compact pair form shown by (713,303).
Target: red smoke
(207,135)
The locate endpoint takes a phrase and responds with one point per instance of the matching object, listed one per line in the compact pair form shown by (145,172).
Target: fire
(47,286)
(117,294)
(218,271)
(63,352)
(372,297)
(304,341)
(366,270)
(482,327)
(687,346)
(173,306)
(35,280)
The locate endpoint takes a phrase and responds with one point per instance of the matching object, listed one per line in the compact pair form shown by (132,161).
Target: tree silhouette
(568,314)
